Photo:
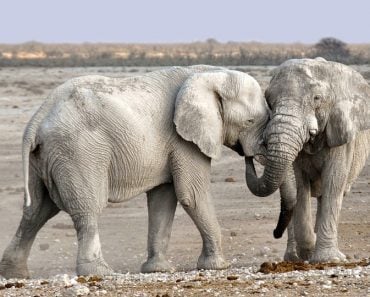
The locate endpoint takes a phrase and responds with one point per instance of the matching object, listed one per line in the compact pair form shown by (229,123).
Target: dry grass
(209,52)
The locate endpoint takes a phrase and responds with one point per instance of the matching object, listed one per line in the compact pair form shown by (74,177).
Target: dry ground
(246,221)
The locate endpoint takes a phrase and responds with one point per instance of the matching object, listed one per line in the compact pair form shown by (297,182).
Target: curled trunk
(285,136)
(280,156)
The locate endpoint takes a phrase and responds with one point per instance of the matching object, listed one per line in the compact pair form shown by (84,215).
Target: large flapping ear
(351,111)
(198,111)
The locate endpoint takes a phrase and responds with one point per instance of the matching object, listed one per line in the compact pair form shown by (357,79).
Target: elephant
(317,143)
(97,140)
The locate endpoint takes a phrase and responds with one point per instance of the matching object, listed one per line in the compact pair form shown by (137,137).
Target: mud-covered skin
(338,167)
(320,125)
(98,139)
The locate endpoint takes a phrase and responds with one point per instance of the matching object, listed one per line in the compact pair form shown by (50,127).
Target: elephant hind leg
(89,258)
(14,261)
(83,195)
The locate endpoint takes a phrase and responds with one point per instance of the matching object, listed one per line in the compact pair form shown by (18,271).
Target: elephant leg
(203,215)
(162,204)
(291,248)
(303,226)
(82,191)
(89,256)
(14,261)
(334,184)
(191,175)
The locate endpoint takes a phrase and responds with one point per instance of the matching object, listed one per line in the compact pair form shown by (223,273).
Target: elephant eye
(317,97)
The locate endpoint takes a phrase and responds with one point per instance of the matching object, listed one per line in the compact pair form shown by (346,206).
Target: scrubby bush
(332,49)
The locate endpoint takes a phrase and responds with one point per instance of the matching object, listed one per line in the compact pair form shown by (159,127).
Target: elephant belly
(126,184)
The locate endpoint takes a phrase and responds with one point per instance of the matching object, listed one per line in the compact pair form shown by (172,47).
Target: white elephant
(98,139)
(318,140)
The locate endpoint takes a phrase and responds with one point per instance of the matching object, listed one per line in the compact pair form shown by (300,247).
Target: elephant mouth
(260,158)
(314,145)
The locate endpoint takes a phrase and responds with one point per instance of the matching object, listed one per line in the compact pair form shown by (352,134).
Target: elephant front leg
(89,257)
(303,226)
(334,183)
(326,249)
(291,248)
(162,204)
(191,177)
(201,211)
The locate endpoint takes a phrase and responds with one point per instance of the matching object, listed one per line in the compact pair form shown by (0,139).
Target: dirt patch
(281,267)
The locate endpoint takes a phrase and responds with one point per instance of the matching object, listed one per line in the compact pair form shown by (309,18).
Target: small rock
(61,280)
(327,282)
(232,277)
(233,233)
(77,290)
(230,179)
(257,216)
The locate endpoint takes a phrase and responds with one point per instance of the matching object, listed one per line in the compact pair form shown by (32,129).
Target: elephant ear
(350,113)
(198,111)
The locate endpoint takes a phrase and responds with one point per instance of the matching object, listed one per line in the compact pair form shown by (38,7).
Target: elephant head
(314,103)
(222,107)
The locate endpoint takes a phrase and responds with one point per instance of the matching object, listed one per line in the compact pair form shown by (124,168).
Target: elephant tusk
(313,132)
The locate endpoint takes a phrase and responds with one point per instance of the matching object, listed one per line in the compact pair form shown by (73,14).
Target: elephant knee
(186,201)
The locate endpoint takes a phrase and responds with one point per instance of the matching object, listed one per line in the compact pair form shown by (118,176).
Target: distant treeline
(209,52)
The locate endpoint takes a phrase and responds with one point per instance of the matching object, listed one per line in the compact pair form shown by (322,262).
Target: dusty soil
(247,221)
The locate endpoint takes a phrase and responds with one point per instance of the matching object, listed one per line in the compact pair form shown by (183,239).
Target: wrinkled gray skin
(319,134)
(99,139)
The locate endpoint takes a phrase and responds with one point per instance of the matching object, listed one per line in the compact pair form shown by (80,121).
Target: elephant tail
(29,144)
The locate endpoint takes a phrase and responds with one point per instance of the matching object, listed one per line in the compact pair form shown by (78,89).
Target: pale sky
(161,21)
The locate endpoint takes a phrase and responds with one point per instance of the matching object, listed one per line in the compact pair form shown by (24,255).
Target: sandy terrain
(246,221)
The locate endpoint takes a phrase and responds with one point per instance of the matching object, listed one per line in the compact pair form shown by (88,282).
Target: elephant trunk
(284,141)
(288,195)
(285,137)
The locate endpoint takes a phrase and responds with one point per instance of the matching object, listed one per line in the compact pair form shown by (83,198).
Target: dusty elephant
(98,139)
(317,141)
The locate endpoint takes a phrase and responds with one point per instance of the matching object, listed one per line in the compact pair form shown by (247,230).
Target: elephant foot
(157,264)
(214,262)
(13,270)
(305,254)
(291,256)
(332,254)
(96,267)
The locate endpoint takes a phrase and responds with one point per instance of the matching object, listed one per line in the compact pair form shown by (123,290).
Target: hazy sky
(183,21)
